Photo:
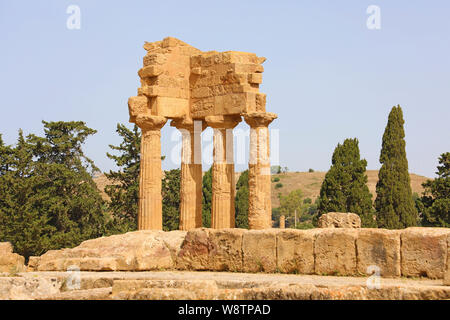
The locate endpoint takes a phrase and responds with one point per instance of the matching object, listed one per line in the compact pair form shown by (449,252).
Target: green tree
(171,199)
(49,197)
(207,198)
(241,201)
(394,203)
(289,204)
(344,188)
(436,198)
(124,188)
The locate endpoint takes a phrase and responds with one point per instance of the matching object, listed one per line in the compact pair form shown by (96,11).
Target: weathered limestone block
(339,220)
(424,252)
(378,248)
(211,249)
(9,261)
(295,251)
(335,251)
(447,272)
(259,250)
(132,251)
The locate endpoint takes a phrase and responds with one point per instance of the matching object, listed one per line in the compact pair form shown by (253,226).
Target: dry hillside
(308,182)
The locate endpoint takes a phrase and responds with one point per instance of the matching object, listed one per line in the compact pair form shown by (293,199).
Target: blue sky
(327,76)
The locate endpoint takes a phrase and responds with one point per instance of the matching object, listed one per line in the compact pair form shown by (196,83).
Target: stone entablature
(216,89)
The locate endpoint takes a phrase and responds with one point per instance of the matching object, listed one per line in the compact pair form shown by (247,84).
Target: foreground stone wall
(413,252)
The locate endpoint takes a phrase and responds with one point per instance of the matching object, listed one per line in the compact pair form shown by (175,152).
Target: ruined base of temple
(339,263)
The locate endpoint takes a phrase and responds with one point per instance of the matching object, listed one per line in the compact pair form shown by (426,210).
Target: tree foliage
(394,203)
(207,198)
(344,188)
(48,198)
(124,188)
(171,199)
(436,198)
(241,201)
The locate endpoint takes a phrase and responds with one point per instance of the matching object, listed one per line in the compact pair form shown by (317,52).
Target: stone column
(223,182)
(260,205)
(282,222)
(150,199)
(191,173)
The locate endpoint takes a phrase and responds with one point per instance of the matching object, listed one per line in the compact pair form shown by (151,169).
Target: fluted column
(150,199)
(191,173)
(223,182)
(259,198)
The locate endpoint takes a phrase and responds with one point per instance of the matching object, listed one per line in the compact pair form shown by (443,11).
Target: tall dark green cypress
(394,203)
(344,188)
(207,198)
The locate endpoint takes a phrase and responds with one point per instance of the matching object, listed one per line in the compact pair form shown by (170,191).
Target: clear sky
(327,76)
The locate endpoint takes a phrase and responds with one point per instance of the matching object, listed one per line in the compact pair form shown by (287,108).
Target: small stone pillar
(150,199)
(191,173)
(260,205)
(282,222)
(223,182)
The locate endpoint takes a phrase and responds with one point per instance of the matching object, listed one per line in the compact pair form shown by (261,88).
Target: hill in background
(308,182)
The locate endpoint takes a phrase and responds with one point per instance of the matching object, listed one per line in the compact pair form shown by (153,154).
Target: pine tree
(207,198)
(49,198)
(344,188)
(394,203)
(436,198)
(124,188)
(241,201)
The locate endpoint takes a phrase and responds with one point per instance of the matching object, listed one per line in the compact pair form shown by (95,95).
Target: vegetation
(394,203)
(171,199)
(435,203)
(124,188)
(344,188)
(241,201)
(279,185)
(207,198)
(48,199)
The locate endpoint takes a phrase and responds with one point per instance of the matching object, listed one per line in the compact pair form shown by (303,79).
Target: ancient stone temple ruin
(195,90)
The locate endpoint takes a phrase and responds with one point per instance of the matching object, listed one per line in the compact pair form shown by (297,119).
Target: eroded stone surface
(259,250)
(295,251)
(424,252)
(379,250)
(339,220)
(335,251)
(140,250)
(9,261)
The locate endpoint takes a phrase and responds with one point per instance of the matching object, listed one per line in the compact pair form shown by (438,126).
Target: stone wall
(10,262)
(413,252)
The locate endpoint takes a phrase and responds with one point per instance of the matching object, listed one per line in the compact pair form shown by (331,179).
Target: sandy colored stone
(335,251)
(259,250)
(259,182)
(182,83)
(424,252)
(378,250)
(447,272)
(295,251)
(140,250)
(9,261)
(339,220)
(211,249)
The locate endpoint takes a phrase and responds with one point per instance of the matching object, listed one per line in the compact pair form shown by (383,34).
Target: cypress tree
(394,203)
(344,188)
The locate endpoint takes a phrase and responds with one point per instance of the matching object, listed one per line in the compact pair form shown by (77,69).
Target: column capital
(188,123)
(259,119)
(150,122)
(223,121)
